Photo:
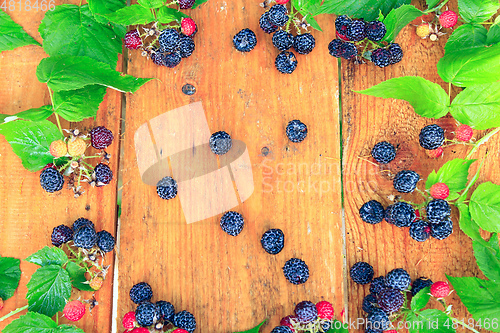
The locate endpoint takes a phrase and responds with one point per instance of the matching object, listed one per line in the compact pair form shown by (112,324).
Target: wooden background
(229,283)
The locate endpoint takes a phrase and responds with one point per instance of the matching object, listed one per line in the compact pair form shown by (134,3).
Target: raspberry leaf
(197,3)
(397,19)
(48,256)
(33,322)
(74,72)
(485,206)
(432,3)
(77,276)
(420,300)
(151,3)
(466,36)
(35,114)
(478,105)
(48,290)
(453,173)
(72,30)
(480,297)
(469,227)
(30,141)
(100,8)
(365,9)
(493,36)
(338,327)
(427,98)
(429,321)
(68,329)
(472,66)
(76,105)
(256,329)
(477,11)
(10,274)
(488,258)
(130,15)
(166,15)
(12,34)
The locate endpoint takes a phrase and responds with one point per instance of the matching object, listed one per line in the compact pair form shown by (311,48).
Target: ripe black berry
(220,143)
(186,46)
(61,234)
(431,137)
(169,40)
(82,222)
(398,279)
(437,210)
(356,30)
(245,40)
(406,181)
(266,25)
(273,241)
(361,272)
(278,15)
(401,214)
(342,22)
(442,230)
(378,320)
(419,284)
(304,44)
(232,223)
(377,285)
(383,152)
(85,237)
(390,300)
(146,314)
(296,131)
(420,230)
(166,188)
(306,312)
(103,174)
(334,48)
(282,40)
(186,4)
(282,329)
(396,53)
(296,271)
(375,30)
(348,51)
(171,60)
(369,303)
(185,320)
(381,57)
(51,180)
(105,241)
(101,137)
(141,292)
(166,310)
(372,212)
(286,62)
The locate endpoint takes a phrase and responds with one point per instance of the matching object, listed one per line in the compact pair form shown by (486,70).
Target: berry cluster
(368,36)
(433,29)
(389,293)
(307,317)
(70,159)
(166,46)
(277,20)
(91,248)
(155,317)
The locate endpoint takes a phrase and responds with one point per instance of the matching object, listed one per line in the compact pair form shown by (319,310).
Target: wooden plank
(27,213)
(368,120)
(229,283)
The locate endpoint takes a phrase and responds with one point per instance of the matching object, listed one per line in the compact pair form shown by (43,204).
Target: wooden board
(229,283)
(368,120)
(28,213)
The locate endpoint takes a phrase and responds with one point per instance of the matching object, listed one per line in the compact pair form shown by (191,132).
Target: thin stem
(449,92)
(287,27)
(483,140)
(57,318)
(59,123)
(436,8)
(57,116)
(10,314)
(462,323)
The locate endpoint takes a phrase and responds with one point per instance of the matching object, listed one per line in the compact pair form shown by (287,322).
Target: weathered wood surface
(229,283)
(28,213)
(368,120)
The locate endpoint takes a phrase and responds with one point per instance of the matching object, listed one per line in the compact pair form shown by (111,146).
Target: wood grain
(229,283)
(368,120)
(28,213)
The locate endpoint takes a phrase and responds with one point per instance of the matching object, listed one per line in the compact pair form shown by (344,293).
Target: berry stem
(455,320)
(287,28)
(57,116)
(436,8)
(10,314)
(449,92)
(484,139)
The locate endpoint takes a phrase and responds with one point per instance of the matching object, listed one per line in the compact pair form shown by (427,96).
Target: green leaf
(365,9)
(99,8)
(12,34)
(493,36)
(485,206)
(131,15)
(36,114)
(477,11)
(478,105)
(469,227)
(76,105)
(256,329)
(151,3)
(72,30)
(68,329)
(338,327)
(480,297)
(48,290)
(198,2)
(430,321)
(10,274)
(397,19)
(471,66)
(48,256)
(31,322)
(488,258)
(312,21)
(166,15)
(465,193)
(453,173)
(69,73)
(77,276)
(30,141)
(466,36)
(431,3)
(427,98)
(420,300)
